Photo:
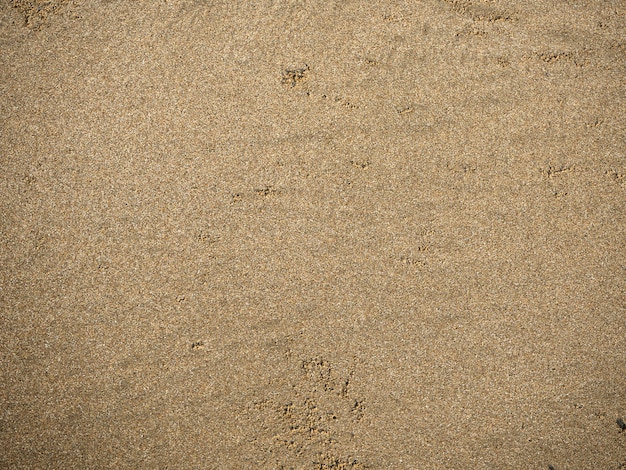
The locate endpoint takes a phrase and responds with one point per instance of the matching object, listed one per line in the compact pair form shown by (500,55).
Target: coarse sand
(313,234)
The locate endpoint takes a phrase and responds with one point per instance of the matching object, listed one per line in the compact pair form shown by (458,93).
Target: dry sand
(313,234)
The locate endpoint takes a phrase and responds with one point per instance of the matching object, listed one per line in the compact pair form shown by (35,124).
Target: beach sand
(313,234)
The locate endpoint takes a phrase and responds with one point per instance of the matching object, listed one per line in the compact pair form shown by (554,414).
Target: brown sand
(313,234)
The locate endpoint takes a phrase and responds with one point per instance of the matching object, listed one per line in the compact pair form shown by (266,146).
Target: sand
(313,234)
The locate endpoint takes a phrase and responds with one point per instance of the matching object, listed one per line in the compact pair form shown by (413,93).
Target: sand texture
(313,234)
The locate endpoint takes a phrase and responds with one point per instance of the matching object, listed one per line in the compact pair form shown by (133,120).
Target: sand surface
(313,234)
